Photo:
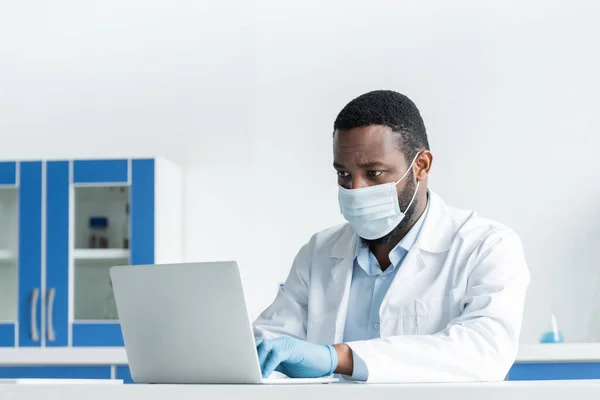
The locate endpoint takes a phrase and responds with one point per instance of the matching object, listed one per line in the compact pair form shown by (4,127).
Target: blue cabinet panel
(57,249)
(55,178)
(100,171)
(7,334)
(554,371)
(102,334)
(142,212)
(30,253)
(56,372)
(8,173)
(124,374)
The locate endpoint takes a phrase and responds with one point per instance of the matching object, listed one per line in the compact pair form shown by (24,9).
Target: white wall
(243,94)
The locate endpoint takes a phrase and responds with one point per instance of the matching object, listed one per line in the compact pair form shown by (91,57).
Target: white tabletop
(581,390)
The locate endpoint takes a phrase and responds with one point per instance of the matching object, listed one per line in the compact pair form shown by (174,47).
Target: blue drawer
(123,373)
(554,371)
(56,372)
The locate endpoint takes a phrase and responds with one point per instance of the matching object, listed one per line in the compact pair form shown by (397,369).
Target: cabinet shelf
(6,256)
(101,254)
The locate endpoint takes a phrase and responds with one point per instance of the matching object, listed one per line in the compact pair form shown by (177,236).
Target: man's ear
(423,164)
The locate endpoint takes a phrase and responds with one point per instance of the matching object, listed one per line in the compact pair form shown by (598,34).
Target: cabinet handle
(35,294)
(50,299)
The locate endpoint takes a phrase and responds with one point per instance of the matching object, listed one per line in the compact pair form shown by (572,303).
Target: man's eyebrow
(365,165)
(372,164)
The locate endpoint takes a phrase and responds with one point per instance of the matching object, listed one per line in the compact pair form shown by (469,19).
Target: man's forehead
(367,144)
(365,135)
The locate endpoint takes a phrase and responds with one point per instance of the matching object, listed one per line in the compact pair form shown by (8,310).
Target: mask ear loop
(413,198)
(417,188)
(409,167)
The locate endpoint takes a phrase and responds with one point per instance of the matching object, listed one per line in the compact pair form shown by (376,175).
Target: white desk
(580,390)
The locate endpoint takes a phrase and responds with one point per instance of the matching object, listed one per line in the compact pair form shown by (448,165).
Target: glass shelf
(101,254)
(6,256)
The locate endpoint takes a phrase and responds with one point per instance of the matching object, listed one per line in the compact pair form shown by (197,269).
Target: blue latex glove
(296,358)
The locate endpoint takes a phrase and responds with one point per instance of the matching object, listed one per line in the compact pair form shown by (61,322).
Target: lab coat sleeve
(479,345)
(287,315)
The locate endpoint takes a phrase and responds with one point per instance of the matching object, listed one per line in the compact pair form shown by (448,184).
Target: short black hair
(391,109)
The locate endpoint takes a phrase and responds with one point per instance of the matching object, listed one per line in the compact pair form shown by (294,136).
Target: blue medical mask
(374,211)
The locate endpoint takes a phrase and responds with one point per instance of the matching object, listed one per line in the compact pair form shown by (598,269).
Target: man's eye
(374,173)
(343,174)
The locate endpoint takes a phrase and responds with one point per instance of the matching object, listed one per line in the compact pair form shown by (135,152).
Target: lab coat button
(384,277)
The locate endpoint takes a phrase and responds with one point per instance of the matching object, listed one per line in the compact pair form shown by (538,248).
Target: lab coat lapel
(408,270)
(338,291)
(428,251)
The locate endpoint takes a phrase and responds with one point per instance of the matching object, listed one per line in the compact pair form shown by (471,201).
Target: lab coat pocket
(434,313)
(424,315)
(400,322)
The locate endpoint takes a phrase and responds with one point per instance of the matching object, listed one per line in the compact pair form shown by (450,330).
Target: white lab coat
(452,313)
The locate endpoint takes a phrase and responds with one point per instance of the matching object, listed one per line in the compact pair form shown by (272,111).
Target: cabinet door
(57,253)
(80,306)
(135,183)
(30,253)
(142,212)
(8,253)
(101,189)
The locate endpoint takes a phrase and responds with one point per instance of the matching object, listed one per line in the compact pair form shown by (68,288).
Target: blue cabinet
(101,171)
(56,372)
(63,179)
(8,173)
(554,371)
(57,250)
(62,288)
(7,334)
(30,253)
(124,374)
(21,249)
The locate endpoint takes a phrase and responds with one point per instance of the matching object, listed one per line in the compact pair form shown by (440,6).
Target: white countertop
(581,390)
(63,356)
(565,352)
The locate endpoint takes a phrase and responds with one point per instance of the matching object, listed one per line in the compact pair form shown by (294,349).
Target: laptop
(188,323)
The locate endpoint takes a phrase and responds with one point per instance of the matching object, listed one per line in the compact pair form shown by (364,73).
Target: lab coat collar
(346,240)
(396,255)
(436,233)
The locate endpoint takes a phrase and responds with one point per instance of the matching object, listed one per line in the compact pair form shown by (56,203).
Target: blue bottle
(553,335)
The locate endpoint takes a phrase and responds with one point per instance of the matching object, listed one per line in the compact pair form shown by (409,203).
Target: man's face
(369,156)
